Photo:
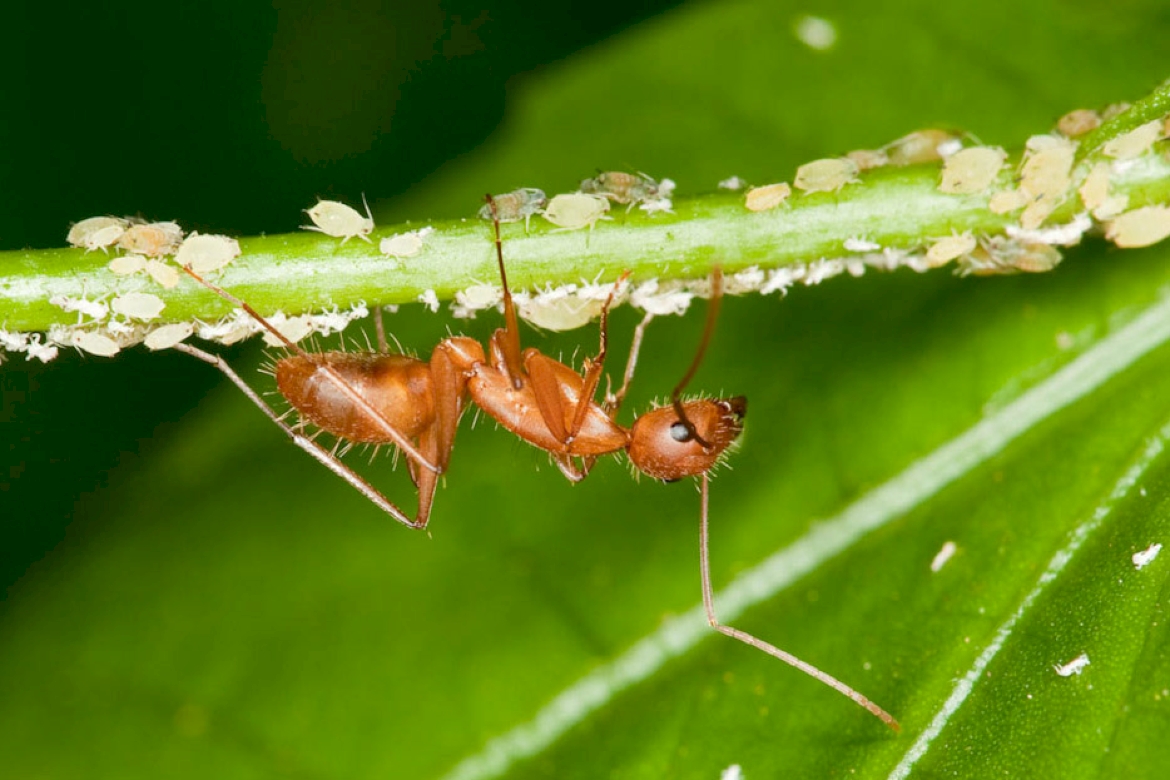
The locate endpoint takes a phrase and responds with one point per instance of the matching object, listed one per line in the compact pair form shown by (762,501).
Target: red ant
(384,398)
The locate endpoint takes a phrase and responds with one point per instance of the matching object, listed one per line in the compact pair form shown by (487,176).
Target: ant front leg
(307,444)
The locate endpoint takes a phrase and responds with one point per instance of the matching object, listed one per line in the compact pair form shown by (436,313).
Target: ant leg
(380,330)
(759,644)
(351,395)
(510,340)
(613,402)
(708,329)
(304,442)
(594,366)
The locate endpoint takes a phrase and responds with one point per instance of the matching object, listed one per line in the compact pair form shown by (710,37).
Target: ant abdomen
(397,386)
(667,448)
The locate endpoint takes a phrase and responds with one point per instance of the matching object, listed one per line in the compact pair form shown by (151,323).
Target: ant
(385,398)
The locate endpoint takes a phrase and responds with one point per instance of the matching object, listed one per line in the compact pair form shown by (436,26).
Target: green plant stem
(897,208)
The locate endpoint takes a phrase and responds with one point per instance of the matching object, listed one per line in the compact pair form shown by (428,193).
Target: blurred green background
(189,596)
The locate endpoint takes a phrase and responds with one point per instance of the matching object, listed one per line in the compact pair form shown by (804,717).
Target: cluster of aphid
(1046,177)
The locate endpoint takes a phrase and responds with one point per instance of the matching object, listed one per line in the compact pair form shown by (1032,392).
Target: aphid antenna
(708,329)
(759,644)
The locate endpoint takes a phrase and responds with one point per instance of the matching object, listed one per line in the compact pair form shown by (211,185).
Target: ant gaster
(384,398)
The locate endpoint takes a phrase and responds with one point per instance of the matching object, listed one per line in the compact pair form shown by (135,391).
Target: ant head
(667,447)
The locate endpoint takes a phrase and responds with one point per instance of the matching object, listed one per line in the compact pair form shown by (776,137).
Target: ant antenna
(708,329)
(511,325)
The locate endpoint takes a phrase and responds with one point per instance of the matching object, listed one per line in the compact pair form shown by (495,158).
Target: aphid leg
(380,330)
(351,395)
(759,644)
(708,329)
(613,401)
(306,443)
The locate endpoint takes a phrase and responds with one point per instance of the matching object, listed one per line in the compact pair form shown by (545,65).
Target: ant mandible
(385,398)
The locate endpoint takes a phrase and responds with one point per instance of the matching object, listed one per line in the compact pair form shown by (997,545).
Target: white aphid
(429,299)
(1068,234)
(168,335)
(779,280)
(335,321)
(1076,123)
(1075,666)
(1135,142)
(138,306)
(164,274)
(92,309)
(922,146)
(732,183)
(947,249)
(127,265)
(747,280)
(95,343)
(822,269)
(560,313)
(152,239)
(868,159)
(1007,200)
(292,328)
(828,175)
(97,233)
(338,220)
(43,352)
(1142,558)
(479,296)
(204,254)
(13,341)
(647,297)
(816,33)
(971,170)
(405,244)
(1140,227)
(657,205)
(861,245)
(120,329)
(576,210)
(733,772)
(767,197)
(942,556)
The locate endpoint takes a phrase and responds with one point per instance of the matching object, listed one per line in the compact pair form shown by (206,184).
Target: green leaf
(226,608)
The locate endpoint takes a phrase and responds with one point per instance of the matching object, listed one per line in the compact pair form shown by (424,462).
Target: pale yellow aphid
(153,239)
(168,335)
(947,249)
(1001,256)
(1135,142)
(576,210)
(1140,227)
(294,329)
(922,146)
(1076,123)
(868,159)
(338,220)
(404,244)
(971,170)
(1045,177)
(138,306)
(828,175)
(767,197)
(97,233)
(206,253)
(1114,110)
(559,314)
(479,296)
(127,265)
(1006,201)
(1095,193)
(166,275)
(94,343)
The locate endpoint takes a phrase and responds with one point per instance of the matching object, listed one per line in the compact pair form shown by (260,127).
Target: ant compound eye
(680,432)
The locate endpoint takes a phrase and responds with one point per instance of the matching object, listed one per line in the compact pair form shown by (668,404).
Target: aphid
(152,239)
(1045,177)
(1134,143)
(868,159)
(576,210)
(622,187)
(97,233)
(1006,201)
(1095,188)
(384,398)
(563,313)
(126,265)
(86,308)
(206,253)
(1076,123)
(95,343)
(292,329)
(1114,110)
(732,183)
(826,175)
(1075,666)
(947,249)
(338,220)
(923,146)
(404,244)
(164,274)
(1140,227)
(1143,558)
(1002,256)
(767,197)
(971,170)
(138,306)
(168,335)
(517,205)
